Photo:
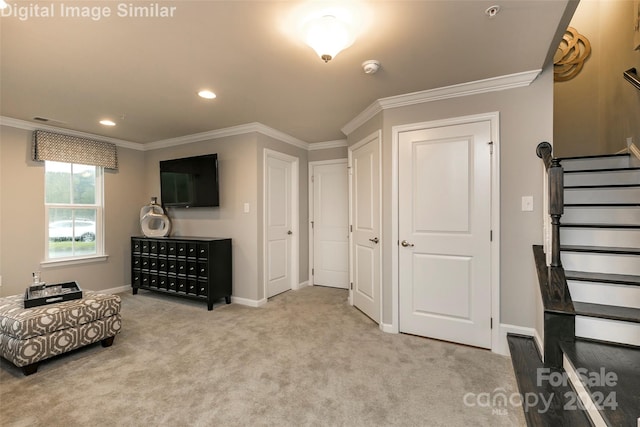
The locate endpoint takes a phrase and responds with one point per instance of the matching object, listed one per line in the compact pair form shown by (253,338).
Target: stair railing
(556,197)
(559,313)
(631,75)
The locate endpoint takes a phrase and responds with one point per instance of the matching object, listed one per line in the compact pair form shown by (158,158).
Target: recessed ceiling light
(206,94)
(107,122)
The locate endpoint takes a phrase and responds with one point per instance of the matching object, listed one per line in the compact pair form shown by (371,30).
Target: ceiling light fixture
(206,94)
(328,36)
(107,122)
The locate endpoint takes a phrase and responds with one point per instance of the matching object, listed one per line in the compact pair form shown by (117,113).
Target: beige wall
(597,110)
(240,161)
(328,154)
(237,172)
(22,219)
(525,120)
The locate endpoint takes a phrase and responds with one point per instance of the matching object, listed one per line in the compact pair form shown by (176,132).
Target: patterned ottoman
(29,335)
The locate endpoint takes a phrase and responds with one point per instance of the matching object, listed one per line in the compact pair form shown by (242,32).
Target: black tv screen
(190,182)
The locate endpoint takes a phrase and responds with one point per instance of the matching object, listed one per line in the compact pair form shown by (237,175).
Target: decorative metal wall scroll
(573,51)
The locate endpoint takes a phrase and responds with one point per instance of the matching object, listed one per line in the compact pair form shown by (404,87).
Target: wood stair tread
(526,361)
(595,156)
(602,311)
(624,362)
(585,276)
(600,249)
(591,186)
(620,169)
(592,225)
(601,205)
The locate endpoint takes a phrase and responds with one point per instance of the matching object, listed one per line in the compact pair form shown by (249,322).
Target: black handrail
(631,75)
(556,197)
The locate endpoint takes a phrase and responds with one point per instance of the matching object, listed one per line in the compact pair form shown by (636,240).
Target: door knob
(374,240)
(289,232)
(406,244)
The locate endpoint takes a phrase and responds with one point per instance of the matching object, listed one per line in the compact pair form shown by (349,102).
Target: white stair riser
(601,263)
(602,178)
(624,238)
(596,163)
(602,195)
(601,215)
(605,293)
(608,330)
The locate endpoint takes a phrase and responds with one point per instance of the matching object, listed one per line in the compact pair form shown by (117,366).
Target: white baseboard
(502,347)
(303,284)
(248,302)
(388,328)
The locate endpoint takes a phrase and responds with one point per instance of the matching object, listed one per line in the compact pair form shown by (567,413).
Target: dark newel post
(556,208)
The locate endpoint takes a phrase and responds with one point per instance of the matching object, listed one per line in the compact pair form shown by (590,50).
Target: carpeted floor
(306,358)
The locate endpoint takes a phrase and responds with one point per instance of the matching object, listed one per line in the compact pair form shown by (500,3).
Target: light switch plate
(246,208)
(527,203)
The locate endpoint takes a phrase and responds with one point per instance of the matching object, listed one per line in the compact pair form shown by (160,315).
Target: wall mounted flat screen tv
(190,182)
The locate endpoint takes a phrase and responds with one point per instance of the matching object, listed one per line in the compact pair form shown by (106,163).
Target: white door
(330,224)
(364,159)
(444,231)
(279,223)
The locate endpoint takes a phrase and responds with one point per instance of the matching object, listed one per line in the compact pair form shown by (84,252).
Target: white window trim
(59,262)
(100,254)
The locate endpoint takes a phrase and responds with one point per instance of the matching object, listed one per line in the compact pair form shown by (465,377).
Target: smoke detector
(371,66)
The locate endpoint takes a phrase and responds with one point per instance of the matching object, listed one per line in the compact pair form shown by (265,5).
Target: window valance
(73,149)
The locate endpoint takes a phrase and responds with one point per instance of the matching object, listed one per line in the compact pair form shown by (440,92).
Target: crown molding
(188,139)
(510,81)
(23,124)
(225,132)
(338,143)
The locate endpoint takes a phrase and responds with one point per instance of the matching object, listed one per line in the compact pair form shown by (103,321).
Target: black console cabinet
(190,267)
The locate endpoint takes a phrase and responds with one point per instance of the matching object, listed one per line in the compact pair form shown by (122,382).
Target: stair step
(608,161)
(590,186)
(600,249)
(602,176)
(601,311)
(625,169)
(601,205)
(598,214)
(604,293)
(575,234)
(611,371)
(619,193)
(527,366)
(622,279)
(601,262)
(601,225)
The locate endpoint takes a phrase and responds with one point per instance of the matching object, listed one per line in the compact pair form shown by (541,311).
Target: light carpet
(306,358)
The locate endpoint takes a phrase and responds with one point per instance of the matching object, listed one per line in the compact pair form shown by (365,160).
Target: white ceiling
(76,71)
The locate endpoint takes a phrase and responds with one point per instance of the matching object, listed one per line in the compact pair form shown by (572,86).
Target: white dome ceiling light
(328,35)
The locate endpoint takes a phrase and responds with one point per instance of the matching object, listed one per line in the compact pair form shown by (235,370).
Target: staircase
(591,295)
(600,246)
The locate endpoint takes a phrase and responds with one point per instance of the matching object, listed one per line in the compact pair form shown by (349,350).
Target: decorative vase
(154,220)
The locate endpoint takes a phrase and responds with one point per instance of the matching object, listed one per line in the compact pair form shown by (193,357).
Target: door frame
(494,119)
(312,166)
(293,211)
(376,135)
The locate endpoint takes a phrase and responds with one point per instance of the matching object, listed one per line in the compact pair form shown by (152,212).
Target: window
(74,210)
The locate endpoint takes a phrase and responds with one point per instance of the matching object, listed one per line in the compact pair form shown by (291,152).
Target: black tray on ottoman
(34,297)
